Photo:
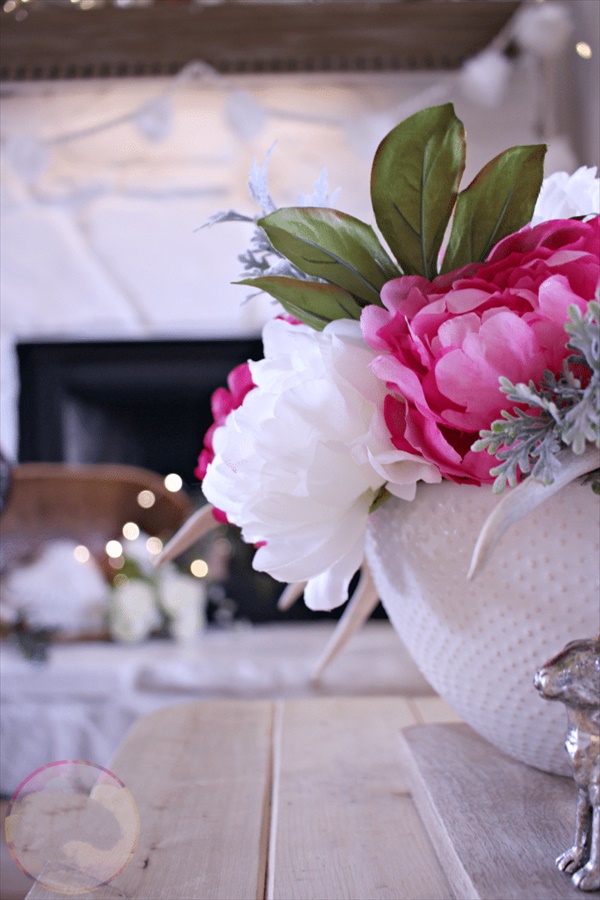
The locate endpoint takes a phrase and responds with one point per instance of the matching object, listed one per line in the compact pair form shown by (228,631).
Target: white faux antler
(199,524)
(525,497)
(360,606)
(290,594)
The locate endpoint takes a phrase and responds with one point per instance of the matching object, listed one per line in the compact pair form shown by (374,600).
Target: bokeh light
(81,553)
(154,545)
(199,568)
(583,49)
(114,549)
(146,499)
(131,531)
(173,482)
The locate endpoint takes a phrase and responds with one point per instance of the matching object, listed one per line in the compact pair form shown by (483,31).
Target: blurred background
(106,181)
(125,125)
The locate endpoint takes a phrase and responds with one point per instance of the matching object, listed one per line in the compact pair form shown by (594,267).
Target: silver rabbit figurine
(573,677)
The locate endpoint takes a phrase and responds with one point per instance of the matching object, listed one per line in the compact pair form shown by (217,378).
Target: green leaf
(313,303)
(414,184)
(334,246)
(499,201)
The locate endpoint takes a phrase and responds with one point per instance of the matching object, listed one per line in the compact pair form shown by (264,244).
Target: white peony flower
(133,614)
(299,463)
(183,600)
(57,592)
(563,196)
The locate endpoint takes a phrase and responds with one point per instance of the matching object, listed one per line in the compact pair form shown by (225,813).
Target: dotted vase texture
(480,642)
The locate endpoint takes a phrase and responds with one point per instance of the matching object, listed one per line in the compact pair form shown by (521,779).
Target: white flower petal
(563,196)
(298,464)
(306,552)
(329,590)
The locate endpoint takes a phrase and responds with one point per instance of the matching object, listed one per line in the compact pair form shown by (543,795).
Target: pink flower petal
(443,345)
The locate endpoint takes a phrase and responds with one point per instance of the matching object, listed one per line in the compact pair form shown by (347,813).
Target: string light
(131,531)
(146,499)
(583,49)
(541,28)
(120,580)
(198,568)
(114,549)
(154,545)
(173,482)
(81,554)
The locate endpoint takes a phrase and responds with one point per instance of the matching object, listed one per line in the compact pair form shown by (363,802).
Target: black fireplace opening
(142,403)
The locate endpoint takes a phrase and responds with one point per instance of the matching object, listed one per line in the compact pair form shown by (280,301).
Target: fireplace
(144,403)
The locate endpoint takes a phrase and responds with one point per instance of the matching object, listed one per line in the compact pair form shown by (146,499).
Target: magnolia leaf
(499,201)
(414,184)
(334,246)
(312,302)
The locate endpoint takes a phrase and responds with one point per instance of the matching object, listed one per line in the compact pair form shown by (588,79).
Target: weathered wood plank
(244,36)
(497,825)
(343,823)
(200,775)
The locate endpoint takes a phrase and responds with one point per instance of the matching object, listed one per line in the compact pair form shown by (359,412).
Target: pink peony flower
(444,344)
(223,402)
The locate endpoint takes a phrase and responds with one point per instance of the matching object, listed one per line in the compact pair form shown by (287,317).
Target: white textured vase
(480,642)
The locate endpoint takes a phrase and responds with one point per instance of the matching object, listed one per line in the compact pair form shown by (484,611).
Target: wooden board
(325,798)
(45,41)
(496,824)
(344,825)
(200,775)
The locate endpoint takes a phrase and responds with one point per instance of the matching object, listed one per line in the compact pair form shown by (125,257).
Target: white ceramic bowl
(479,643)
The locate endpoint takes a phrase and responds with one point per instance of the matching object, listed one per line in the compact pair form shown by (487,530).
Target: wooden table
(308,798)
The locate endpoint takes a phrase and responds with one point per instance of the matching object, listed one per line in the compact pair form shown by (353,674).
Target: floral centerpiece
(463,353)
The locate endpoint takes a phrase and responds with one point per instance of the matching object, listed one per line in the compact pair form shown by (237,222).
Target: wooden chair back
(86,503)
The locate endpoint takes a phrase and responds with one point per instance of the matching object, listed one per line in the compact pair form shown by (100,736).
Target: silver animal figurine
(573,677)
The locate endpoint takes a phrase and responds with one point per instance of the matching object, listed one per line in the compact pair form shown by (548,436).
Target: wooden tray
(496,825)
